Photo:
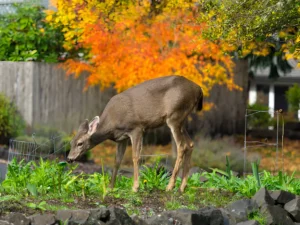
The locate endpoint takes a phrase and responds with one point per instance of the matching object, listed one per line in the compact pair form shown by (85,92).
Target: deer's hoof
(181,189)
(135,189)
(169,188)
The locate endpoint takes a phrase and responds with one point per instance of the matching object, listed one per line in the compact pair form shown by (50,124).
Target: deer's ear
(93,125)
(84,127)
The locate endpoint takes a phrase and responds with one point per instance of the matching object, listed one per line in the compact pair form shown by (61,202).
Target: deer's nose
(70,160)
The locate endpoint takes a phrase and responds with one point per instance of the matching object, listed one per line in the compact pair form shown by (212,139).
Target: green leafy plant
(255,166)
(25,36)
(41,206)
(11,122)
(32,189)
(228,168)
(154,177)
(52,179)
(256,215)
(258,119)
(293,97)
(17,176)
(194,180)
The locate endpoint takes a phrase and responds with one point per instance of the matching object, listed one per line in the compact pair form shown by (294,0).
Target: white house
(271,92)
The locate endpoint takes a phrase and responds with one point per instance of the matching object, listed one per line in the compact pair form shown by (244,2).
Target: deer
(156,102)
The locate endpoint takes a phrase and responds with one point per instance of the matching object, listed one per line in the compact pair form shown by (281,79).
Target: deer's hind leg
(180,140)
(187,160)
(137,144)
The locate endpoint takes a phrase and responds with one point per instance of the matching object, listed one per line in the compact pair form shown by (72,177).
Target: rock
(18,219)
(192,171)
(79,216)
(293,207)
(118,217)
(45,219)
(216,218)
(2,222)
(242,208)
(229,219)
(249,222)
(205,216)
(262,197)
(63,215)
(276,215)
(196,170)
(73,216)
(282,197)
(126,172)
(98,215)
(138,221)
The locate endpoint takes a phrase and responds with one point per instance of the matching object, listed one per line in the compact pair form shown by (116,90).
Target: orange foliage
(131,47)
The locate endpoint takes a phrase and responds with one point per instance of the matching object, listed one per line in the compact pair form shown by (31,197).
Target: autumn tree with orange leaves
(127,42)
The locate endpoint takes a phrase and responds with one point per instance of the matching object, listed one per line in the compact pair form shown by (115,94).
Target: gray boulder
(63,215)
(229,219)
(98,216)
(205,216)
(18,219)
(3,222)
(282,197)
(138,221)
(45,219)
(126,172)
(276,215)
(118,217)
(293,207)
(242,208)
(73,216)
(249,222)
(262,197)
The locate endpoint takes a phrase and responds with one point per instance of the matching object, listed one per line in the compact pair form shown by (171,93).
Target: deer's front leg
(121,148)
(137,142)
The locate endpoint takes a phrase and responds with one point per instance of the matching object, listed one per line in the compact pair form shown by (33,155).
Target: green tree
(25,36)
(253,26)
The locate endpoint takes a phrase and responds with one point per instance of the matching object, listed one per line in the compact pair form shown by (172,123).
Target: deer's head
(81,143)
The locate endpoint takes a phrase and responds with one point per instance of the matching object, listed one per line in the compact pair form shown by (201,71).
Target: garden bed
(48,186)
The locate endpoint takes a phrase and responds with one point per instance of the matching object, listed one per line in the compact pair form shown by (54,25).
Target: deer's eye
(79,144)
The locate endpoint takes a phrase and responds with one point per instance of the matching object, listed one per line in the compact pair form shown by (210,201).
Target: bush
(25,36)
(48,139)
(211,153)
(293,97)
(260,119)
(11,122)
